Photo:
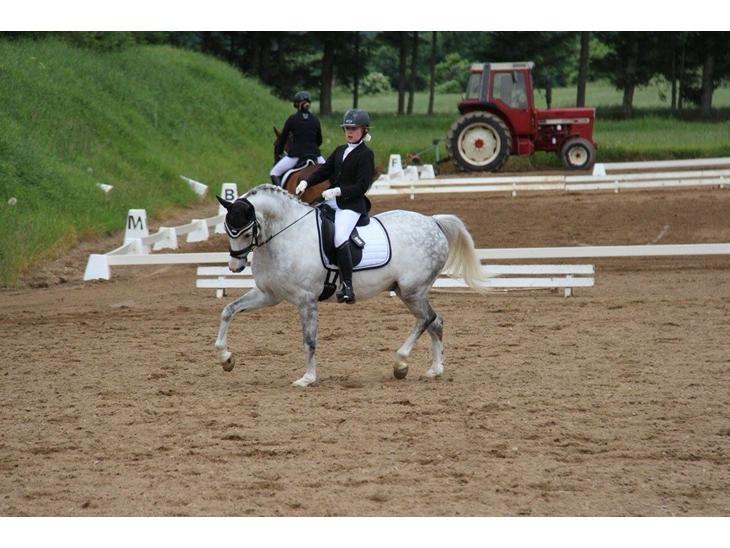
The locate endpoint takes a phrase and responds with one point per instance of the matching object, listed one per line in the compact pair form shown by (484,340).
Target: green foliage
(453,69)
(450,86)
(375,83)
(100,41)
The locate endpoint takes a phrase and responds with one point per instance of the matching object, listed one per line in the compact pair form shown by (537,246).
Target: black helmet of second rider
(302,100)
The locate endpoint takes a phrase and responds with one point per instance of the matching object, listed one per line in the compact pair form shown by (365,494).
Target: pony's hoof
(431,374)
(400,372)
(304,382)
(228,364)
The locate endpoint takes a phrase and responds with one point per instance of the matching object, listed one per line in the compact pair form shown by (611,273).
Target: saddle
(300,165)
(372,250)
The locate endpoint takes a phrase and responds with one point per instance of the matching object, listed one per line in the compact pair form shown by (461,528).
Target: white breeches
(286,163)
(345,221)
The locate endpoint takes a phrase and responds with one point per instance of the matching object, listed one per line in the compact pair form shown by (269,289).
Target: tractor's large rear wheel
(479,141)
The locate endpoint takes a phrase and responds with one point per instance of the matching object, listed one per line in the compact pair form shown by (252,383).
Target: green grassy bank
(137,119)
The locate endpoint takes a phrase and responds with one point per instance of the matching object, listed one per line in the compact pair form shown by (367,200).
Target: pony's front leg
(252,300)
(308,317)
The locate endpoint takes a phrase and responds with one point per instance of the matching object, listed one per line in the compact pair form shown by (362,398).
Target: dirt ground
(615,402)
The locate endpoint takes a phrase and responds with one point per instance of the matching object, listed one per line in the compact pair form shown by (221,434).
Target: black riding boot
(344,263)
(276,180)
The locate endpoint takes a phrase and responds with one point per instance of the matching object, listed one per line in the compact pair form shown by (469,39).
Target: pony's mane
(273,189)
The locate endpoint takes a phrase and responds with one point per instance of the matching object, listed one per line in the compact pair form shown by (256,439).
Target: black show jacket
(353,176)
(306,132)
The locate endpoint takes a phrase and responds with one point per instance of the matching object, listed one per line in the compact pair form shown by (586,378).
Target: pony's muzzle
(236,264)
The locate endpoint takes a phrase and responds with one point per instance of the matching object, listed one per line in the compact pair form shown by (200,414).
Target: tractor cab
(499,118)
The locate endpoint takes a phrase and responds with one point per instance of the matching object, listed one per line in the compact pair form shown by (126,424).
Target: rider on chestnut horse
(301,138)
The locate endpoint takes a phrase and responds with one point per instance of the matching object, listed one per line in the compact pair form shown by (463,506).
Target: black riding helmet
(356,117)
(301,96)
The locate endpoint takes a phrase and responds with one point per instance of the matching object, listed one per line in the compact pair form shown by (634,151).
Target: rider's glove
(301,187)
(331,193)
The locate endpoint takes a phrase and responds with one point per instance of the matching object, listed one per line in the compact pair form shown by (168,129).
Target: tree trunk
(580,100)
(632,62)
(673,78)
(402,72)
(432,77)
(356,82)
(708,69)
(414,71)
(325,91)
(682,57)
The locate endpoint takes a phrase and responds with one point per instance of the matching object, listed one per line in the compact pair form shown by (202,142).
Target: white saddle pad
(376,252)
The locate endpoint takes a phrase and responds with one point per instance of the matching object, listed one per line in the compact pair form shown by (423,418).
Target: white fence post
(97,268)
(395,167)
(199,188)
(170,241)
(200,234)
(136,227)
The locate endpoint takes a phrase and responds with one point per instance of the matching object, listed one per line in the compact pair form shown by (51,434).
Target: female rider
(306,134)
(350,169)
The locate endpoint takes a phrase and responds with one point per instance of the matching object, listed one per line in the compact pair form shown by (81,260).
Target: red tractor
(499,118)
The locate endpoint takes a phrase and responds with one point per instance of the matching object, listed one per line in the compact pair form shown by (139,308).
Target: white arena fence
(138,244)
(702,172)
(513,276)
(504,276)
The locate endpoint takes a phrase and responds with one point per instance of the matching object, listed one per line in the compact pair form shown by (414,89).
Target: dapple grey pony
(287,267)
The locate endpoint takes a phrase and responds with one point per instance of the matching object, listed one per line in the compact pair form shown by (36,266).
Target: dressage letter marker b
(229,191)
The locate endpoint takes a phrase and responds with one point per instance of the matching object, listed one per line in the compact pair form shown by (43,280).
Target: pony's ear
(224,203)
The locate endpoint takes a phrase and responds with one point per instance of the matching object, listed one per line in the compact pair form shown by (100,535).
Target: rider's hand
(301,187)
(331,193)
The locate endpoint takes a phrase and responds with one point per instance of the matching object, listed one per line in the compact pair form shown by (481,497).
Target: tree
(432,73)
(403,54)
(328,73)
(715,66)
(580,100)
(695,63)
(414,72)
(628,63)
(356,84)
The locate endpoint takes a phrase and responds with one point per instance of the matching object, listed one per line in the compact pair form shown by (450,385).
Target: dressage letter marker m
(136,225)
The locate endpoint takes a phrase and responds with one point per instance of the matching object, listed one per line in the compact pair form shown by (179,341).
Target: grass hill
(135,119)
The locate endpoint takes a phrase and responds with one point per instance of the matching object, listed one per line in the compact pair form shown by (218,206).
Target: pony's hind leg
(436,330)
(426,318)
(252,300)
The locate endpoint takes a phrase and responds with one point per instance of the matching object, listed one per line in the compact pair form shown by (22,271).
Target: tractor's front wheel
(479,141)
(578,153)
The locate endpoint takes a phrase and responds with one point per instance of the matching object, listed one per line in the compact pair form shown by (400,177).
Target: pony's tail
(462,261)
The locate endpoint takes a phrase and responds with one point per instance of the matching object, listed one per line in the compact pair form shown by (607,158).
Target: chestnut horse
(290,182)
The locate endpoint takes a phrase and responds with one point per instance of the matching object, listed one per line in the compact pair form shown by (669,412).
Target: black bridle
(236,232)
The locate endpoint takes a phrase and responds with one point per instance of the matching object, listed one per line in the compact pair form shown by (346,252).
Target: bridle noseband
(236,232)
